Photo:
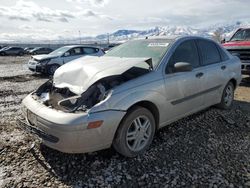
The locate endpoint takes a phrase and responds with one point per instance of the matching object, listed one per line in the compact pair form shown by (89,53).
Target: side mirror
(66,54)
(223,41)
(182,67)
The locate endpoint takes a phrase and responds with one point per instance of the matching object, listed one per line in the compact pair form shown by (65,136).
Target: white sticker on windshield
(157,44)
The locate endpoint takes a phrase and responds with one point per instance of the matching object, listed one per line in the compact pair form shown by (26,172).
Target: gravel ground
(208,149)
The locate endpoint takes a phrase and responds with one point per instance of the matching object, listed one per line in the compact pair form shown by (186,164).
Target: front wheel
(51,69)
(135,133)
(227,96)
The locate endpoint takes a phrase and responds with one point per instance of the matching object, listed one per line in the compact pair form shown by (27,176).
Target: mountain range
(224,29)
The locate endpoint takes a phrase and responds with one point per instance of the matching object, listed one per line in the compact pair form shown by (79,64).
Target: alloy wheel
(138,133)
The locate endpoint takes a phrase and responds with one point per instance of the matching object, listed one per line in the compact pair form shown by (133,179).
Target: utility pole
(108,37)
(80,37)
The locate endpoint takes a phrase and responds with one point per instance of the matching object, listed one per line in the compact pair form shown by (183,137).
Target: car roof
(79,45)
(174,38)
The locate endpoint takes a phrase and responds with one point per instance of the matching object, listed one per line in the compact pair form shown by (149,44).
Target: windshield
(148,48)
(241,35)
(60,51)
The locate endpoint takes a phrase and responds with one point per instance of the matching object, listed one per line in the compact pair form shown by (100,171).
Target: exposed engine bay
(65,100)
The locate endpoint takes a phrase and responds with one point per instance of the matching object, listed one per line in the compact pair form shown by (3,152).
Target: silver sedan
(124,97)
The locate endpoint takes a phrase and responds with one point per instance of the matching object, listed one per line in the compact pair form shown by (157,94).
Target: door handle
(199,75)
(223,67)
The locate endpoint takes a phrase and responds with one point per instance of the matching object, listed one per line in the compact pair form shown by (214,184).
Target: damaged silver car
(122,98)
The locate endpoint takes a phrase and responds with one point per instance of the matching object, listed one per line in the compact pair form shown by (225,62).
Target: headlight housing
(43,62)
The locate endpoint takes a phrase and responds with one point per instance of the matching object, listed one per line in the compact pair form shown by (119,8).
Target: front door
(184,89)
(72,54)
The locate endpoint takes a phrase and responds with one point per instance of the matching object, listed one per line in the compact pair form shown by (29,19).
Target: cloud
(95,3)
(63,19)
(28,10)
(18,18)
(88,13)
(99,2)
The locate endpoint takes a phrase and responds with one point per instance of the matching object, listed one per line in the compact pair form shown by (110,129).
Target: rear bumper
(68,132)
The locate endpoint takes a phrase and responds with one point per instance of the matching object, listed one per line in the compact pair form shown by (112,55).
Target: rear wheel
(227,96)
(135,132)
(51,69)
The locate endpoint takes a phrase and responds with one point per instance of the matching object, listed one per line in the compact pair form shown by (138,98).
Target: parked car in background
(40,50)
(4,48)
(47,64)
(12,51)
(123,97)
(28,49)
(1,47)
(239,45)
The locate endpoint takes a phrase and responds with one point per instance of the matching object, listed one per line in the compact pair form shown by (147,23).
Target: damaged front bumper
(36,67)
(68,132)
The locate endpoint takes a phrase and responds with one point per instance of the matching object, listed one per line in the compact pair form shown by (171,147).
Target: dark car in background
(28,49)
(1,47)
(40,50)
(12,51)
(239,45)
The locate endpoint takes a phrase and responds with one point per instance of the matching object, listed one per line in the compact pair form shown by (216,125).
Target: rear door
(214,69)
(184,89)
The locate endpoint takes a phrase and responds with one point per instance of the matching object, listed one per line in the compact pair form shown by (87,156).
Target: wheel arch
(151,107)
(234,82)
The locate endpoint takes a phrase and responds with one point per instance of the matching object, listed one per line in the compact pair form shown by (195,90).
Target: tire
(51,69)
(135,133)
(227,97)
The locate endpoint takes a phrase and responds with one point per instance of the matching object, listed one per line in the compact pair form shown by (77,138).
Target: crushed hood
(43,57)
(81,73)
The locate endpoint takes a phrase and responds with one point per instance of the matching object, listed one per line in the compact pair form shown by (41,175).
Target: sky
(51,19)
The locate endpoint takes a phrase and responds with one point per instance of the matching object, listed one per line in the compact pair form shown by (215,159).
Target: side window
(185,52)
(75,51)
(209,52)
(224,56)
(89,50)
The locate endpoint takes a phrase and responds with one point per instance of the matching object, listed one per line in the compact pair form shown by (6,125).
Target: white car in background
(47,64)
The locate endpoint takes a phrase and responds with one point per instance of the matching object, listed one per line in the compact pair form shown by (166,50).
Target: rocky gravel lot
(207,149)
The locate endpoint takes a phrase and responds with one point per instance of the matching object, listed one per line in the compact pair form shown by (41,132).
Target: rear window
(209,52)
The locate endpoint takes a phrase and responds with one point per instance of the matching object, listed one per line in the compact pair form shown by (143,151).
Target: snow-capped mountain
(157,31)
(224,29)
(221,29)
